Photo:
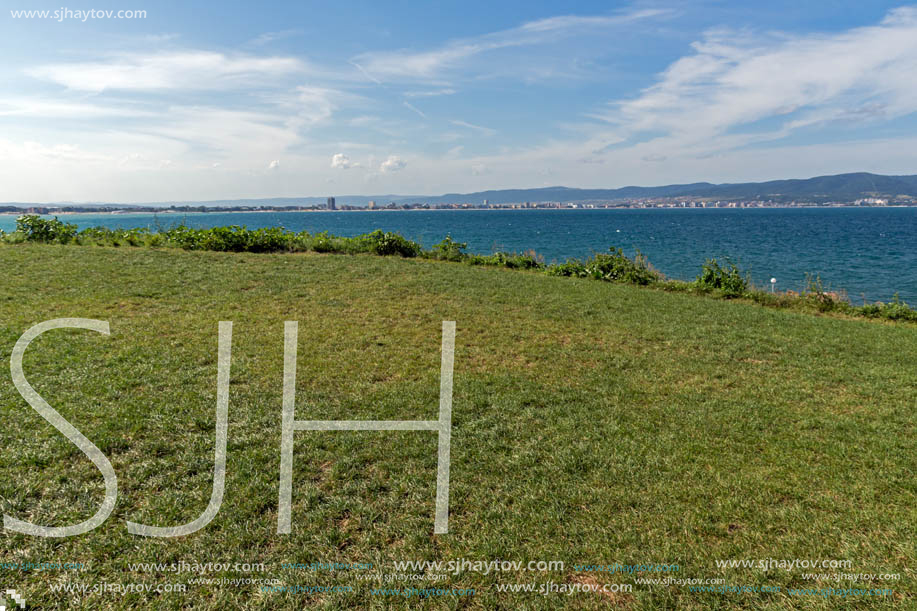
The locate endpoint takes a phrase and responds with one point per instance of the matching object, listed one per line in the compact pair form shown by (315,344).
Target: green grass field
(593,424)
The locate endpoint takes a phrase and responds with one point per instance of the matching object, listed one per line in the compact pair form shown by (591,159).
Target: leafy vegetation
(36,229)
(388,243)
(449,250)
(613,267)
(725,279)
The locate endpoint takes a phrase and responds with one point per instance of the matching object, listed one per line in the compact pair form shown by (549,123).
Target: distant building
(372,205)
(331,205)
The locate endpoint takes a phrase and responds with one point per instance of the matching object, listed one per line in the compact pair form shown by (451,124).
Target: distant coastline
(851,189)
(56,211)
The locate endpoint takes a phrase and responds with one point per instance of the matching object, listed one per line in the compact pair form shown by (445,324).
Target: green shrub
(528,260)
(570,268)
(135,237)
(725,279)
(96,235)
(37,229)
(14,238)
(893,310)
(824,300)
(224,239)
(322,243)
(613,266)
(616,267)
(449,250)
(388,243)
(183,237)
(301,241)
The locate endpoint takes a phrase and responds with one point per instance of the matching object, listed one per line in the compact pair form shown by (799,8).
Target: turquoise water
(871,251)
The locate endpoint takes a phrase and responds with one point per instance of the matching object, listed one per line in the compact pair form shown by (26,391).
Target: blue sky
(203,100)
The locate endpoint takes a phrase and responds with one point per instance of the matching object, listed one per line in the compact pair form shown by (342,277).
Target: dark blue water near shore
(871,251)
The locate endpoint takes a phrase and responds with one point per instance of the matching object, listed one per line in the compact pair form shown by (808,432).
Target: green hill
(593,424)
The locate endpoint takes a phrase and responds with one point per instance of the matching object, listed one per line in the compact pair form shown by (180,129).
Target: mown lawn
(592,423)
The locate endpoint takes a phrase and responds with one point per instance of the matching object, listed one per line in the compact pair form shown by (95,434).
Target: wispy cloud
(364,72)
(34,152)
(169,70)
(312,105)
(429,93)
(482,130)
(55,109)
(227,132)
(363,120)
(717,97)
(415,109)
(407,64)
(577,22)
(269,37)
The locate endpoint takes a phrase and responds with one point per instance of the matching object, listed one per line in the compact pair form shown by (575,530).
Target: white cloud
(392,164)
(273,165)
(308,106)
(711,99)
(269,37)
(37,152)
(341,161)
(170,70)
(55,109)
(228,131)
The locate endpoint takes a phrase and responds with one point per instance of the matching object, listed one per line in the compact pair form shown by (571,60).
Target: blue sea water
(869,252)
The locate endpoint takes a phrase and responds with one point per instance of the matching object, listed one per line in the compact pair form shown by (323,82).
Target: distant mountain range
(821,188)
(839,187)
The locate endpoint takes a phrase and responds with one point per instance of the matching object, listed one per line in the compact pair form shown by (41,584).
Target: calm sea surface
(871,251)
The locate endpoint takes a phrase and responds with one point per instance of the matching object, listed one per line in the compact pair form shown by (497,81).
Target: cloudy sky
(199,100)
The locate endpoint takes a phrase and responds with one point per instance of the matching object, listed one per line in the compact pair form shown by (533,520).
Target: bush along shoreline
(717,279)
